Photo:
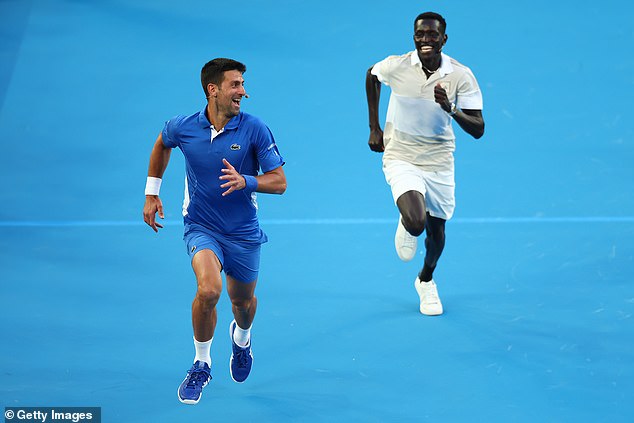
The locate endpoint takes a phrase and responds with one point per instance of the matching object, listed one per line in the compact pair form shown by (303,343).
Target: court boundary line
(325,221)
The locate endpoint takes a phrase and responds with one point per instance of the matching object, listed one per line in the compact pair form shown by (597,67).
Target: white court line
(324,221)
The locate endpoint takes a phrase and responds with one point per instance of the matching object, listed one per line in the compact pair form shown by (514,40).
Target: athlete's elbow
(478,132)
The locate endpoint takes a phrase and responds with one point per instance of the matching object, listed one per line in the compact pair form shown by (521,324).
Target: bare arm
(159,158)
(271,182)
(373,94)
(471,121)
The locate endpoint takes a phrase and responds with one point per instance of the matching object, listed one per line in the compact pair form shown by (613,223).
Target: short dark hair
(432,15)
(214,71)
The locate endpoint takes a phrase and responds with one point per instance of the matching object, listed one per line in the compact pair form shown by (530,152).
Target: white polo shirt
(417,130)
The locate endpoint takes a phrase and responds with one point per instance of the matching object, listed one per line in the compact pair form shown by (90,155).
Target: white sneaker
(405,243)
(429,301)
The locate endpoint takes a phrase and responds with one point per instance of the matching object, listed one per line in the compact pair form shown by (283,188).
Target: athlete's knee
(242,303)
(208,293)
(414,223)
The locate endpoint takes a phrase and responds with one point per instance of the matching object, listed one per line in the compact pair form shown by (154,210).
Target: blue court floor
(537,274)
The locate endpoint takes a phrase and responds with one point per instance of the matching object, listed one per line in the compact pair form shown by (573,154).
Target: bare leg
(243,301)
(207,269)
(243,305)
(411,205)
(435,244)
(415,219)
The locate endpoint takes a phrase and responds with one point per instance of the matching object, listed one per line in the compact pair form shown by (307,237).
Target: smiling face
(429,38)
(228,95)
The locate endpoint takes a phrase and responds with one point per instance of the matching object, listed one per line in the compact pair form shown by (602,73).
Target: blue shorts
(240,260)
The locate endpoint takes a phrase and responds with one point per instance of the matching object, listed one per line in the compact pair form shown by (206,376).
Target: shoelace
(241,357)
(409,241)
(197,377)
(431,296)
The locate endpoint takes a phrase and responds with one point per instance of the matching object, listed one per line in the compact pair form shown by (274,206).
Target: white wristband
(153,185)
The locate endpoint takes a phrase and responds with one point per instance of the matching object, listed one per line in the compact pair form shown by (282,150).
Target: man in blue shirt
(223,150)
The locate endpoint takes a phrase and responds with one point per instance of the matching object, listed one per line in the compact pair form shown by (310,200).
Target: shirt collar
(204,122)
(445,63)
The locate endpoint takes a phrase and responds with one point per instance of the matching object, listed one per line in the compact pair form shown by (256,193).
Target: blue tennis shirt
(248,144)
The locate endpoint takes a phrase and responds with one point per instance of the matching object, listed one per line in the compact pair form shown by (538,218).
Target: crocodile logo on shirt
(235,147)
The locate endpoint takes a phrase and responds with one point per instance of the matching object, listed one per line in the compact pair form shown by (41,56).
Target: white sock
(241,336)
(202,351)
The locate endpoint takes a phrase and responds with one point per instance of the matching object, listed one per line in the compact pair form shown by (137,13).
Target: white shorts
(438,188)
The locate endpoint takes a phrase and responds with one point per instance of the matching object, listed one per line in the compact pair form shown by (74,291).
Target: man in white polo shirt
(428,90)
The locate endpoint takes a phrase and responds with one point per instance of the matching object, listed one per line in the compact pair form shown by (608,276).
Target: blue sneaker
(241,358)
(191,389)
